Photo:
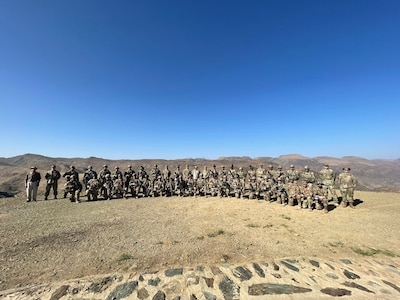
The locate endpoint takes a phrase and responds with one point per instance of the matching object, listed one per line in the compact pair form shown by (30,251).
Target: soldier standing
(72,172)
(347,183)
(292,173)
(89,174)
(32,180)
(52,178)
(128,174)
(308,176)
(328,177)
(117,174)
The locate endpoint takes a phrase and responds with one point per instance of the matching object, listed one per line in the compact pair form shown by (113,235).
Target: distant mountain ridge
(372,174)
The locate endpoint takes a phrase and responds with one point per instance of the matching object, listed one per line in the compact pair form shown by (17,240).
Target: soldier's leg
(333,193)
(344,197)
(88,194)
(325,203)
(46,194)
(309,203)
(29,192)
(55,189)
(77,196)
(350,197)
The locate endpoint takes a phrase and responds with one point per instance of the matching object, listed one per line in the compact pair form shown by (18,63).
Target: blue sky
(200,79)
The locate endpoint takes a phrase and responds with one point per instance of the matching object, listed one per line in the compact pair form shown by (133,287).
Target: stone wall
(297,278)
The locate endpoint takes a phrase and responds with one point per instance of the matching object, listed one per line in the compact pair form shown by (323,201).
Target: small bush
(373,251)
(124,256)
(216,233)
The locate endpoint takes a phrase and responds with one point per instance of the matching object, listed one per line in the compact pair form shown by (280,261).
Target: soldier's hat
(279,167)
(105,166)
(117,167)
(270,166)
(346,169)
(53,166)
(72,167)
(306,167)
(129,166)
(33,167)
(292,166)
(326,165)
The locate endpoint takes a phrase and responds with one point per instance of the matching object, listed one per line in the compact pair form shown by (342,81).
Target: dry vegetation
(55,240)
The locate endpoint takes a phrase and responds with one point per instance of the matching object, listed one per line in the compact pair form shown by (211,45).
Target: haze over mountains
(372,174)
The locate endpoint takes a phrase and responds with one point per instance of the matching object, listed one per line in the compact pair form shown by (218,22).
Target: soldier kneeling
(74,188)
(321,198)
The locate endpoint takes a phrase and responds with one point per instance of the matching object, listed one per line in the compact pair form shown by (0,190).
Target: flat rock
(154,282)
(357,286)
(60,292)
(209,296)
(160,295)
(275,289)
(336,292)
(314,263)
(290,266)
(173,272)
(350,275)
(122,290)
(391,285)
(142,293)
(346,261)
(259,270)
(242,273)
(229,289)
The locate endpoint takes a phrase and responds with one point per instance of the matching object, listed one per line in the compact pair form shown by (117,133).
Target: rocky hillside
(373,175)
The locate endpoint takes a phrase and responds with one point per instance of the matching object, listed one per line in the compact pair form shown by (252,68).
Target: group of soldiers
(291,187)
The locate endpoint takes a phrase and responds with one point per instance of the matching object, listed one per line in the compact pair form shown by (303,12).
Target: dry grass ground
(56,240)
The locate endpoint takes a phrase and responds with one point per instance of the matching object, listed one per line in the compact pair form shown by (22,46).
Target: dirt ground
(55,240)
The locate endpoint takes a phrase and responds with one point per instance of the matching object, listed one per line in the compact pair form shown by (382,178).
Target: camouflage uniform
(128,175)
(102,179)
(292,174)
(117,173)
(266,189)
(270,173)
(52,178)
(74,188)
(279,174)
(108,187)
(224,187)
(118,189)
(306,196)
(328,177)
(89,174)
(72,172)
(321,197)
(292,190)
(280,192)
(92,189)
(347,183)
(308,176)
(260,172)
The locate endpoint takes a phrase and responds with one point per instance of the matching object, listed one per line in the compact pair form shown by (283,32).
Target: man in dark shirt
(32,181)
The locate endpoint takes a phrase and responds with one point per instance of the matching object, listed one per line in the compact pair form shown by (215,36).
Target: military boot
(352,205)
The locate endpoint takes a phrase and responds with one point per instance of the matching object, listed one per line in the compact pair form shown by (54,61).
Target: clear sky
(200,79)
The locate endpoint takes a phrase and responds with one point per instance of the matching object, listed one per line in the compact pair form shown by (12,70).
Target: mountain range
(371,174)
